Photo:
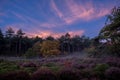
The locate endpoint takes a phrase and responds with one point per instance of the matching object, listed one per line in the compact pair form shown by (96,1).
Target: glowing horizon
(55,17)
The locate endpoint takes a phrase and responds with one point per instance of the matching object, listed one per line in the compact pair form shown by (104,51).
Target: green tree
(1,41)
(111,31)
(34,51)
(76,43)
(9,35)
(1,35)
(20,36)
(50,38)
(65,45)
(10,32)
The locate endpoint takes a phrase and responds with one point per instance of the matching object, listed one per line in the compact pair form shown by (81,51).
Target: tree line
(17,43)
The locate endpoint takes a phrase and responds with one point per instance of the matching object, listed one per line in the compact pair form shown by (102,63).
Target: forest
(102,62)
(17,44)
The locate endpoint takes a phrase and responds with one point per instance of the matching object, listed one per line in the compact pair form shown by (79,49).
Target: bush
(52,66)
(16,75)
(113,73)
(81,66)
(43,74)
(92,52)
(115,62)
(7,66)
(28,64)
(30,69)
(86,73)
(100,69)
(68,74)
(49,64)
(30,53)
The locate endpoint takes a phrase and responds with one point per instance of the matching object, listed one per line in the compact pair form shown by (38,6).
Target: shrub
(100,69)
(86,73)
(49,64)
(28,64)
(92,51)
(81,66)
(43,74)
(16,75)
(52,66)
(67,63)
(113,73)
(115,62)
(55,68)
(1,60)
(30,53)
(30,69)
(7,66)
(68,74)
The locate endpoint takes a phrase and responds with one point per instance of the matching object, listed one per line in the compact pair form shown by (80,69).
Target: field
(60,68)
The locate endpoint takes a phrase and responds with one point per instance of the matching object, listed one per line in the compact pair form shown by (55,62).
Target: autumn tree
(49,48)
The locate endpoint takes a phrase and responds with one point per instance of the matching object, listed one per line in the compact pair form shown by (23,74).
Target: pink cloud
(77,32)
(78,11)
(55,8)
(46,33)
(43,33)
(37,31)
(84,11)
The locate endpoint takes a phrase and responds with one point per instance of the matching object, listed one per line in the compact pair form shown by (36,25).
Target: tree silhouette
(111,31)
(9,34)
(1,41)
(20,36)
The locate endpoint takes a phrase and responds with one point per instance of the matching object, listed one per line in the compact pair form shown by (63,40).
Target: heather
(62,69)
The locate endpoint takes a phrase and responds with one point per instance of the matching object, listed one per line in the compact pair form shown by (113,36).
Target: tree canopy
(111,32)
(50,48)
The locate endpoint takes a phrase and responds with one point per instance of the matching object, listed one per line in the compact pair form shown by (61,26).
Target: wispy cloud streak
(79,11)
(55,8)
(52,17)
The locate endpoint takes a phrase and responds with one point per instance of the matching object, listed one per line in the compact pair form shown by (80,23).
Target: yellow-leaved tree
(50,48)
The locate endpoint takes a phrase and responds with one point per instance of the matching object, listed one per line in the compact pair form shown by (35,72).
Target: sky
(55,17)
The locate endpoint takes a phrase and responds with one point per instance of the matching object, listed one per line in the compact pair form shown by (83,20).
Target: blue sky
(55,17)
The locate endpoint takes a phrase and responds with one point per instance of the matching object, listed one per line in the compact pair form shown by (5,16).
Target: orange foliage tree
(49,48)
